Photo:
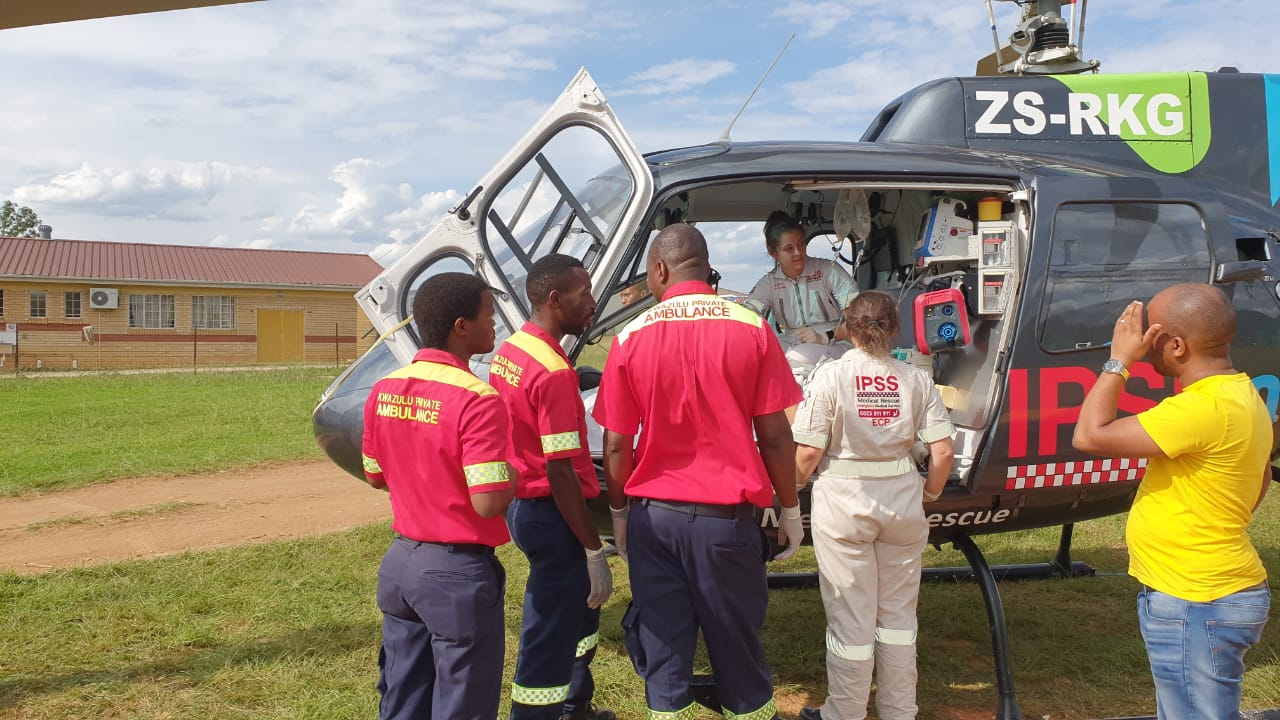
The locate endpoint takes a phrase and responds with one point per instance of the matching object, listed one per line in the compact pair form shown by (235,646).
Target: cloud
(676,76)
(163,189)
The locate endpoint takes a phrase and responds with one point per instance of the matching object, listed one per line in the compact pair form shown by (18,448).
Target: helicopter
(1013,214)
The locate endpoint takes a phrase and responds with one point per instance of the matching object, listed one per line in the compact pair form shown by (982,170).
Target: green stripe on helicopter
(1164,117)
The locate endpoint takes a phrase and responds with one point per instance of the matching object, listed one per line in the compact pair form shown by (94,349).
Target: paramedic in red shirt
(435,437)
(569,577)
(698,373)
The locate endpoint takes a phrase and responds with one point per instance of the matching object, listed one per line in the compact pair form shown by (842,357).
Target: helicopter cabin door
(575,184)
(1097,244)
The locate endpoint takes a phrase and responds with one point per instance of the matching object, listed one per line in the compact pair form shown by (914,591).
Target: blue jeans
(1196,650)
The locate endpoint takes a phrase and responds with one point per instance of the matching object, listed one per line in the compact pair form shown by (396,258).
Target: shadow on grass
(198,664)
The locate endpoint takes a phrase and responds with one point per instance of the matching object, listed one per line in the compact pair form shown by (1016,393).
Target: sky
(354,126)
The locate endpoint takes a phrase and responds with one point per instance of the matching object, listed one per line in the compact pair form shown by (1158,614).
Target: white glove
(809,335)
(601,577)
(790,532)
(620,530)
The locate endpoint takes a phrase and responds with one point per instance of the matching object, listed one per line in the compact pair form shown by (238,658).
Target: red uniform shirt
(437,435)
(694,370)
(548,420)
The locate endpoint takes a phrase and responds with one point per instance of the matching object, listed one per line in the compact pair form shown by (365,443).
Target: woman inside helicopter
(803,296)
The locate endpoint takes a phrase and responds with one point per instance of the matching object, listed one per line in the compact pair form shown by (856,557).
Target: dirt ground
(145,518)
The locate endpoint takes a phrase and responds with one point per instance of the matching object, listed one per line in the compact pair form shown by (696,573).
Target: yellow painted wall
(57,341)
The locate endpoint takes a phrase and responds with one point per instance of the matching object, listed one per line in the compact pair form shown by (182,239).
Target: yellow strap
(390,330)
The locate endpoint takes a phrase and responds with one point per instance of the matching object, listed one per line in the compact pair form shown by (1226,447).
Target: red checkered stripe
(1085,472)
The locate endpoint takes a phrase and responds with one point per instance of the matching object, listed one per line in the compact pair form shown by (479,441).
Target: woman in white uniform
(860,417)
(804,295)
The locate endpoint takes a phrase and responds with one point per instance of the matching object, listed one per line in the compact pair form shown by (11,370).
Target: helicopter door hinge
(479,265)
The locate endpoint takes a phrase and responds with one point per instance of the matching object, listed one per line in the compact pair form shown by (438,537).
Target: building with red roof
(90,304)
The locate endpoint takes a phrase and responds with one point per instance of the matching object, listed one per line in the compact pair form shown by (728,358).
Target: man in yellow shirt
(1205,598)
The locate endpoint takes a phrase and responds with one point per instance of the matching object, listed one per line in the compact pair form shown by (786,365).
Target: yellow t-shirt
(1187,530)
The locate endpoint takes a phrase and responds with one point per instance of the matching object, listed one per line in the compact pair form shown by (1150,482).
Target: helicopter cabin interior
(950,253)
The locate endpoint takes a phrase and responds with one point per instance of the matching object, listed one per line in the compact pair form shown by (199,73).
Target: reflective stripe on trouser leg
(849,669)
(548,677)
(845,651)
(895,674)
(587,644)
(683,714)
(539,696)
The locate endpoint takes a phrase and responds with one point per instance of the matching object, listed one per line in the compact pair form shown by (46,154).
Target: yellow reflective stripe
(446,374)
(539,696)
(490,473)
(685,714)
(371,465)
(746,315)
(849,652)
(537,348)
(561,442)
(885,636)
(937,432)
(764,712)
(588,643)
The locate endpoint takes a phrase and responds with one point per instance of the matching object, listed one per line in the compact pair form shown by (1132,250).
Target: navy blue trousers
(690,572)
(559,632)
(443,637)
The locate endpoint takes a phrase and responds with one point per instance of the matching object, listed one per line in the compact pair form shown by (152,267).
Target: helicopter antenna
(724,137)
(995,37)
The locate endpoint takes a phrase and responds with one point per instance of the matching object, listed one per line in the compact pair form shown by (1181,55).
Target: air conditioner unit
(104,298)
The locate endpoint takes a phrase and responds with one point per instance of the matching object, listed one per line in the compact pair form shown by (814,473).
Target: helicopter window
(568,198)
(1105,255)
(452,263)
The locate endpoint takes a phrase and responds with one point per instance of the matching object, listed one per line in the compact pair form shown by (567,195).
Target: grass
(290,630)
(62,432)
(114,518)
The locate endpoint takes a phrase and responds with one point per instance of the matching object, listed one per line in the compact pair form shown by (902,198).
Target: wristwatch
(1115,367)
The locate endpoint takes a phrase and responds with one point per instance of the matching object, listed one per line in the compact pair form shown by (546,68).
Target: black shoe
(811,713)
(591,713)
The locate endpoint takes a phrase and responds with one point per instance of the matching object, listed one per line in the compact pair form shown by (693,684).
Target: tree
(18,220)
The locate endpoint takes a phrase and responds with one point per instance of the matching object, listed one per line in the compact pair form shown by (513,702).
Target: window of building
(213,312)
(72,305)
(1,303)
(151,311)
(38,304)
(1105,255)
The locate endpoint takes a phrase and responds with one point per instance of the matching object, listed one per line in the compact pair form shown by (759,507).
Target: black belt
(724,512)
(468,548)
(540,498)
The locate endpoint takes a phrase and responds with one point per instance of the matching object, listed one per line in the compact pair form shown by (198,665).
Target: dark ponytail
(872,319)
(776,225)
